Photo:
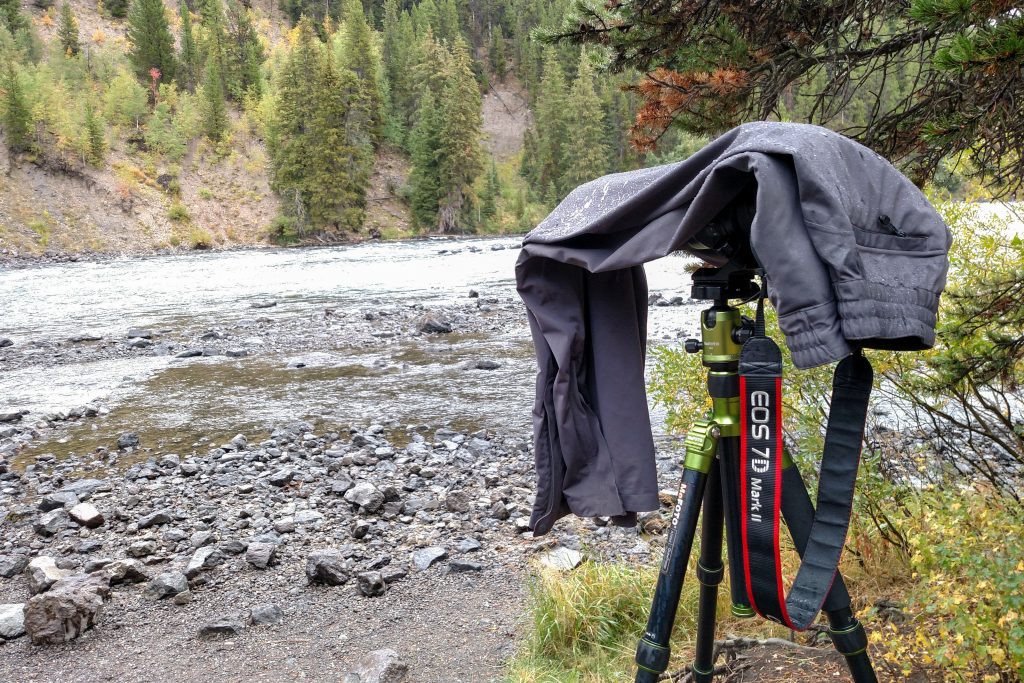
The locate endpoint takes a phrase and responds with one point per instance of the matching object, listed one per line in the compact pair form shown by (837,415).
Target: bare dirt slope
(506,114)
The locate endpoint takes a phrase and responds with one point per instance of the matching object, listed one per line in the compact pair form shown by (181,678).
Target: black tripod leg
(652,654)
(709,573)
(846,631)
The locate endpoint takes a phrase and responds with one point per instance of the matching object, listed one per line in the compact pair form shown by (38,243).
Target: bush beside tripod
(710,479)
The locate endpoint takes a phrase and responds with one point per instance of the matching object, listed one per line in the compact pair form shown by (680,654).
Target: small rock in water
(236,353)
(424,558)
(487,365)
(263,304)
(85,337)
(67,610)
(12,621)
(327,567)
(260,555)
(379,666)
(166,585)
(86,514)
(371,584)
(189,353)
(268,613)
(562,558)
(5,342)
(430,324)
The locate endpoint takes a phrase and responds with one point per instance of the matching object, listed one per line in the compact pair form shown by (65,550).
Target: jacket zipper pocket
(887,223)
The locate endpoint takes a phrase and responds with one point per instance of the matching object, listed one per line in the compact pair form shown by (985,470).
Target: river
(360,363)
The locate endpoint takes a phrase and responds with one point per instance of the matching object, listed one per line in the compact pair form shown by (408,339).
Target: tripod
(710,479)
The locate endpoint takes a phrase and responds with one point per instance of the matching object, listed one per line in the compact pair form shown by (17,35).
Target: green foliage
(459,154)
(178,212)
(586,157)
(152,45)
(188,72)
(125,101)
(11,17)
(117,8)
(424,141)
(213,107)
(17,118)
(496,53)
(96,136)
(283,230)
(355,51)
(243,53)
(67,30)
(318,169)
(492,190)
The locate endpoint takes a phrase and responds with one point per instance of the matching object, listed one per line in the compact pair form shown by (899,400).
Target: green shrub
(178,212)
(205,193)
(199,238)
(283,230)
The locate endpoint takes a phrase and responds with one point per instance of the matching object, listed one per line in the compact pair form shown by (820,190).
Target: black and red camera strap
(761,480)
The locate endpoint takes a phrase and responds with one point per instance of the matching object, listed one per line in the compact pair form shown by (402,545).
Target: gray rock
(201,539)
(379,666)
(57,500)
(424,558)
(562,558)
(431,324)
(233,547)
(139,333)
(266,614)
(236,353)
(203,558)
(142,548)
(327,567)
(86,514)
(371,584)
(84,337)
(154,519)
(67,610)
(12,565)
(308,516)
(189,353)
(458,566)
(486,365)
(467,545)
(126,571)
(263,304)
(499,511)
(366,496)
(128,440)
(340,485)
(12,621)
(13,416)
(83,488)
(166,585)
(221,627)
(260,555)
(49,523)
(285,525)
(359,528)
(5,342)
(457,501)
(42,572)
(281,477)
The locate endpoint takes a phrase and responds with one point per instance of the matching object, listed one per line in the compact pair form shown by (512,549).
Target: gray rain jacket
(854,254)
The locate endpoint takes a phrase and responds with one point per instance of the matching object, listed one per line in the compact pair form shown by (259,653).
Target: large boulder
(166,585)
(71,607)
(327,567)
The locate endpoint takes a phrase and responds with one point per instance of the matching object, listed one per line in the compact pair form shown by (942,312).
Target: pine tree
(447,28)
(243,53)
(117,8)
(213,110)
(17,117)
(11,17)
(152,46)
(496,52)
(189,61)
(492,190)
(96,139)
(399,53)
(587,157)
(552,123)
(318,172)
(67,30)
(358,55)
(424,142)
(460,159)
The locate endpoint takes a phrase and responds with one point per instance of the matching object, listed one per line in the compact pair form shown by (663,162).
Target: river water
(410,379)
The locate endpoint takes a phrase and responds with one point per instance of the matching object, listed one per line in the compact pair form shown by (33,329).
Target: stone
(340,485)
(166,585)
(12,621)
(86,514)
(430,324)
(263,304)
(562,558)
(236,353)
(84,337)
(281,477)
(308,516)
(260,555)
(486,365)
(155,519)
(83,488)
(128,440)
(285,525)
(12,565)
(379,666)
(182,598)
(371,584)
(5,342)
(142,548)
(189,353)
(467,545)
(139,333)
(266,614)
(366,496)
(359,529)
(457,501)
(499,511)
(458,566)
(221,627)
(57,500)
(424,558)
(201,539)
(71,607)
(326,567)
(233,547)
(49,523)
(42,573)
(203,558)
(126,571)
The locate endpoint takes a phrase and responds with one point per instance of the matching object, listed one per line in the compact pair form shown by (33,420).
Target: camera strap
(761,479)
